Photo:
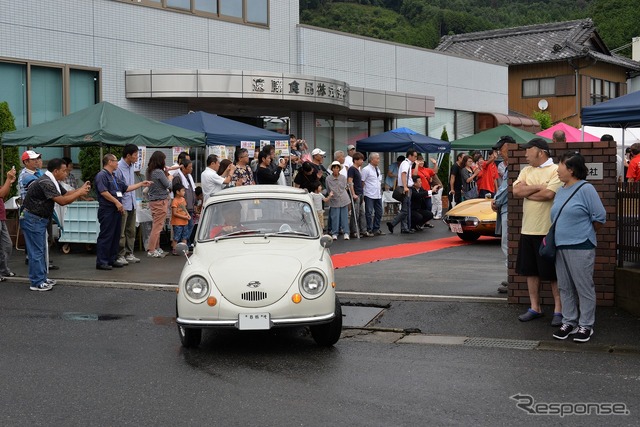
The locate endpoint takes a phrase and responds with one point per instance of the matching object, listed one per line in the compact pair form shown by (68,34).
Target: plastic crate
(81,223)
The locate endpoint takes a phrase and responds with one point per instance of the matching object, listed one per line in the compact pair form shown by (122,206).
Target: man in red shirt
(633,172)
(488,176)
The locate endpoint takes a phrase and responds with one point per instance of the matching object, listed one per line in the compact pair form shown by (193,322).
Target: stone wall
(604,271)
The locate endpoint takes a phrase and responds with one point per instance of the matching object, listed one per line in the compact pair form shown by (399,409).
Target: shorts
(530,263)
(181,233)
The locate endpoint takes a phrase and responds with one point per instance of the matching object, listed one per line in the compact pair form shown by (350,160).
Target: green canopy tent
(103,124)
(488,138)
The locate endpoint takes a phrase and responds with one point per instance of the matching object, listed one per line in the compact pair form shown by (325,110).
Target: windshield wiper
(236,233)
(282,233)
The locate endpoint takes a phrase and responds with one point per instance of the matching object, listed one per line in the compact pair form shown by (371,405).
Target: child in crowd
(318,198)
(179,217)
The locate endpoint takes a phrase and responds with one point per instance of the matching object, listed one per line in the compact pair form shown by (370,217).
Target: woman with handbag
(577,214)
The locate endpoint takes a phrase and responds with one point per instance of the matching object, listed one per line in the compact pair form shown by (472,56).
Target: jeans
(339,219)
(360,215)
(373,212)
(34,229)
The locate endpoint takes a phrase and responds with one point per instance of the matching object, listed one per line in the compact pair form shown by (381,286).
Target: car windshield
(258,217)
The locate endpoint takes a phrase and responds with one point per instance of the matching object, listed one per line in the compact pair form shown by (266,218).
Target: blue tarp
(620,112)
(400,140)
(221,131)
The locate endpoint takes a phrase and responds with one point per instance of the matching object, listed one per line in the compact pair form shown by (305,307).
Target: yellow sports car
(472,219)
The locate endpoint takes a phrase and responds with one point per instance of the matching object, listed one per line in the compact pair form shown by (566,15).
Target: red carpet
(351,259)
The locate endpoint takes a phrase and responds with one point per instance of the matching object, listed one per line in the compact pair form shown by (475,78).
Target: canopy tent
(103,123)
(222,131)
(629,135)
(622,112)
(488,138)
(572,134)
(402,139)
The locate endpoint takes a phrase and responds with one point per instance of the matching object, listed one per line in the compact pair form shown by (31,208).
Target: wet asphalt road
(100,356)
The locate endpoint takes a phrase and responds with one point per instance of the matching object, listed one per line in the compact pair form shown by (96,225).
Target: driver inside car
(231,214)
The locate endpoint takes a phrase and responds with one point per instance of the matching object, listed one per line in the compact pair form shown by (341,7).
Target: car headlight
(313,284)
(197,288)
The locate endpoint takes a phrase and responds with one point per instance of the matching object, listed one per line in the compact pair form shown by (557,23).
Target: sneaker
(390,227)
(41,287)
(132,259)
(50,282)
(583,334)
(122,260)
(379,233)
(346,237)
(503,289)
(564,331)
(160,251)
(334,237)
(154,254)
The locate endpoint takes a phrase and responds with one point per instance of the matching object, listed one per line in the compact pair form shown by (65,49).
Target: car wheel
(469,236)
(190,337)
(328,334)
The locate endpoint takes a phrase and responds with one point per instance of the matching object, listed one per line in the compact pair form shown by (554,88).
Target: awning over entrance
(491,120)
(258,93)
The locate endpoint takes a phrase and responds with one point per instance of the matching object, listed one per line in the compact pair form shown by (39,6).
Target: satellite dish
(543,104)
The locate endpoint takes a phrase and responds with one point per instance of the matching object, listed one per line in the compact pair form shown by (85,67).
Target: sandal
(529,315)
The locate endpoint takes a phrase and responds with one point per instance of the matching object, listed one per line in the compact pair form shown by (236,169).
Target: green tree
(91,162)
(10,154)
(544,118)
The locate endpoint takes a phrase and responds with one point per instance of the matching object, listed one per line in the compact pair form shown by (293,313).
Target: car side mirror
(182,247)
(325,241)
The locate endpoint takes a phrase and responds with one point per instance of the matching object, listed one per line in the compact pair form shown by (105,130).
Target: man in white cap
(348,159)
(32,162)
(317,157)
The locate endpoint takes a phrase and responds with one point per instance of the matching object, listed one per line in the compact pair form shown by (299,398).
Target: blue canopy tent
(221,131)
(622,112)
(402,139)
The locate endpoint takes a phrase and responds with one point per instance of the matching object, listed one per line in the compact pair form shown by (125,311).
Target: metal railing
(628,222)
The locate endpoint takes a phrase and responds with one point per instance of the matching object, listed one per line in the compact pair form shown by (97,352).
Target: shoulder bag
(547,248)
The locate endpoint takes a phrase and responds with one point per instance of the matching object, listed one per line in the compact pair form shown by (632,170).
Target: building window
(603,90)
(538,87)
(246,11)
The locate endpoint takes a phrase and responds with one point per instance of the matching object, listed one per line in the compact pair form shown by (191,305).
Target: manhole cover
(502,343)
(358,317)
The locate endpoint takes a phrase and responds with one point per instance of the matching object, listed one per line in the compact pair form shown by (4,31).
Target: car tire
(190,337)
(469,236)
(328,334)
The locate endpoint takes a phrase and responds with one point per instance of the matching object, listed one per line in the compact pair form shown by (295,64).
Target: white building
(162,58)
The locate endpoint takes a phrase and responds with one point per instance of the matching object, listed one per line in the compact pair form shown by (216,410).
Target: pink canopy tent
(572,134)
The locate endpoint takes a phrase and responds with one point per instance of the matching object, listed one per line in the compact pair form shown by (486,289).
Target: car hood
(479,208)
(254,279)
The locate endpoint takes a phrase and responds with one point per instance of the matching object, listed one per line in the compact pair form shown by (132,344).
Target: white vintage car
(260,262)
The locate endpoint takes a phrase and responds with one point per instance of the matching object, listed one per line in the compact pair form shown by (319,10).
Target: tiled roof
(536,43)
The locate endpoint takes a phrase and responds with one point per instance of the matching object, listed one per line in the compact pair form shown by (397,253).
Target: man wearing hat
(32,162)
(499,203)
(348,159)
(317,157)
(537,185)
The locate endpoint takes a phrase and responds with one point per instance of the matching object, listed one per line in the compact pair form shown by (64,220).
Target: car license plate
(455,227)
(254,321)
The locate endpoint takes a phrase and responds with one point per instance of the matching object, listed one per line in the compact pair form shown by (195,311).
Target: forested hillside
(423,22)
